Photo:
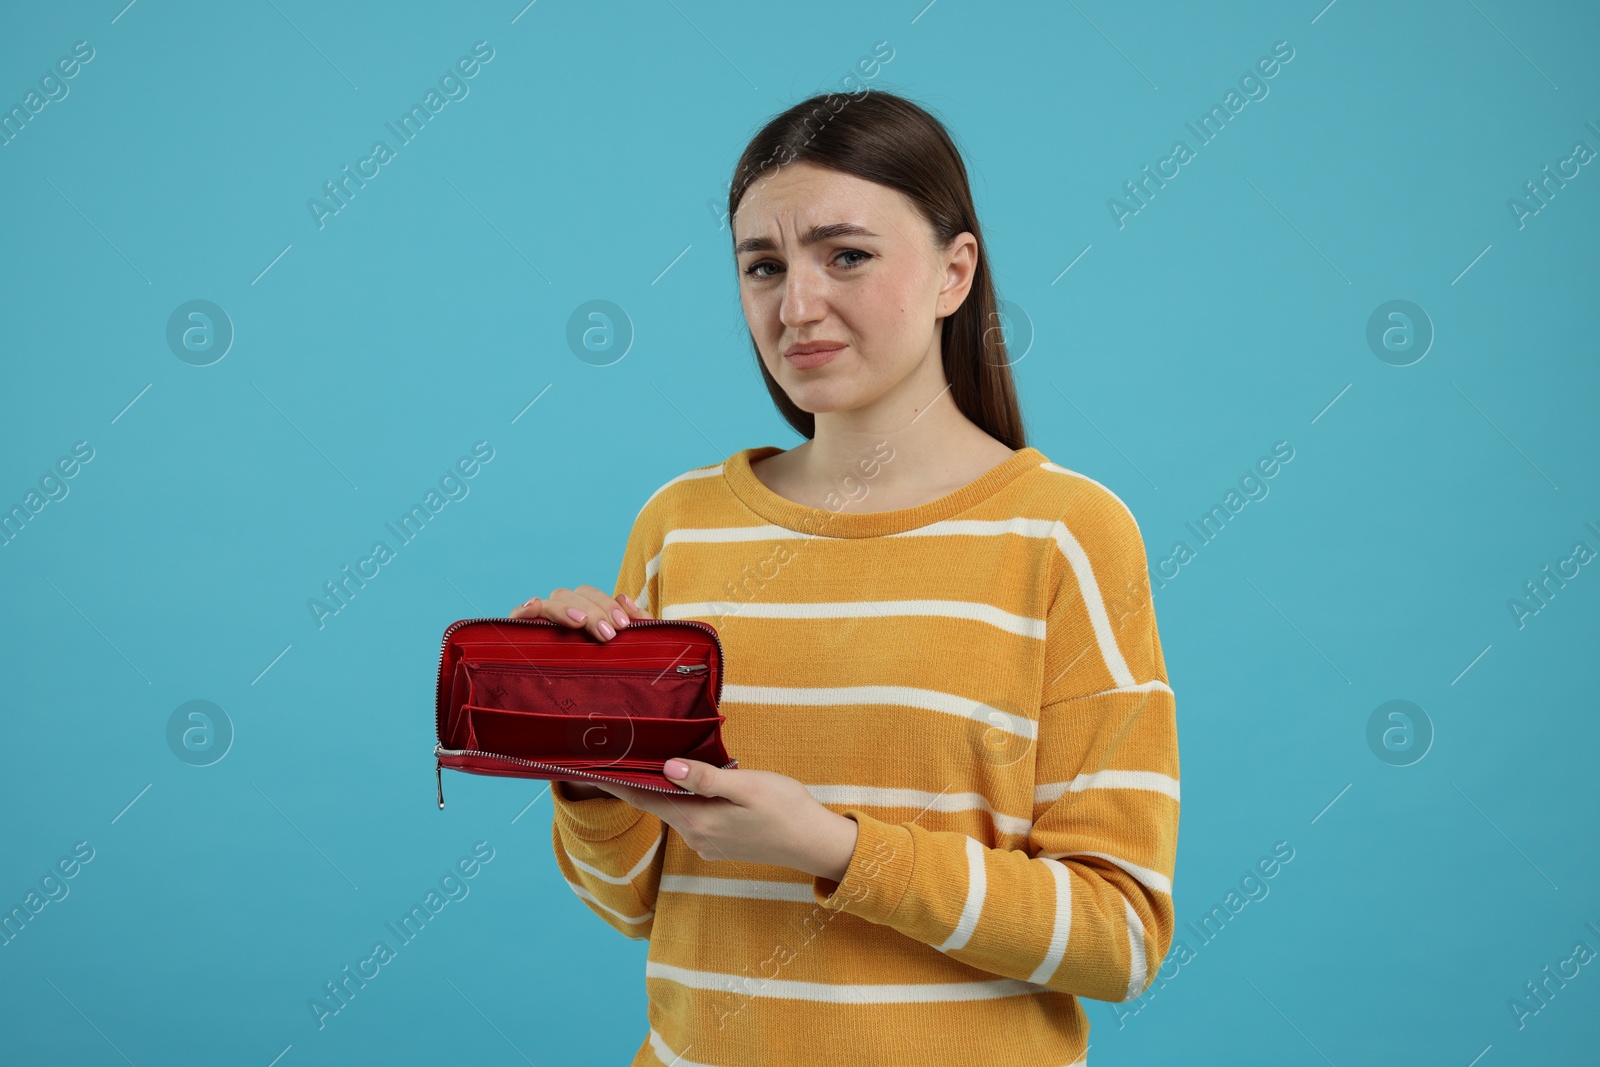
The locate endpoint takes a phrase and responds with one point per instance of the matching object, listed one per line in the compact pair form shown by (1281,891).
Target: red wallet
(530,698)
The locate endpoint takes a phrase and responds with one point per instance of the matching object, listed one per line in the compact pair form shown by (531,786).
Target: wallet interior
(581,716)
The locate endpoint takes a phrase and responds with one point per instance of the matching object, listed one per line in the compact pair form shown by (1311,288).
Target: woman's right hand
(585,608)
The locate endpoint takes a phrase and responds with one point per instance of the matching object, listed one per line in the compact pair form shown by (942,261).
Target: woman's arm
(610,854)
(1087,909)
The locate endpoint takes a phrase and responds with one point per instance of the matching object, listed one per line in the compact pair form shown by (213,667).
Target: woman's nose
(803,296)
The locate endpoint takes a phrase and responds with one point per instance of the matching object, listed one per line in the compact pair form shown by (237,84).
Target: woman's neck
(885,460)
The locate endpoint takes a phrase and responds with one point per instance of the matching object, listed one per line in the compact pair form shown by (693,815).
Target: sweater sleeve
(609,851)
(1087,907)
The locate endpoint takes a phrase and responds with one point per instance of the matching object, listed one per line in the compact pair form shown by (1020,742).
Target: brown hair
(887,139)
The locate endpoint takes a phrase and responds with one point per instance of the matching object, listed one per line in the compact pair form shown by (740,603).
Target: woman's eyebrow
(821,232)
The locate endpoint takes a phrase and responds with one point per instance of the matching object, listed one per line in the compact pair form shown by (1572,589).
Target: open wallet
(530,698)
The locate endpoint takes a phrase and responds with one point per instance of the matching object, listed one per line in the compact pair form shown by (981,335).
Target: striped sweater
(977,681)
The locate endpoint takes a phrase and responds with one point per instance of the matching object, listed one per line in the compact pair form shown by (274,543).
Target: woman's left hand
(750,816)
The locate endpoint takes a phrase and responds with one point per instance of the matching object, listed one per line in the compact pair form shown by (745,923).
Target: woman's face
(828,257)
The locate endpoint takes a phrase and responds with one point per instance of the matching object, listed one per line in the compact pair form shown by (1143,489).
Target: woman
(956,806)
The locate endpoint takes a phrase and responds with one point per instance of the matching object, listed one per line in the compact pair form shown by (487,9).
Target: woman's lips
(808,360)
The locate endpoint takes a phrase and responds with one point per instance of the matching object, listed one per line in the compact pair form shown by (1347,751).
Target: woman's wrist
(840,847)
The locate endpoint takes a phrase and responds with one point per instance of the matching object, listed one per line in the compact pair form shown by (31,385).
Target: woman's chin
(819,401)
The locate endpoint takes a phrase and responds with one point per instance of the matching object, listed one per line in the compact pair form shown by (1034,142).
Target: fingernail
(605,630)
(575,615)
(621,617)
(676,768)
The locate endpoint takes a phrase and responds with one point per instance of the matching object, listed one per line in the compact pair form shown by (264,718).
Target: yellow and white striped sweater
(977,681)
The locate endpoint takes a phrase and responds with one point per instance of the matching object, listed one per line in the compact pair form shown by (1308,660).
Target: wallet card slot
(640,693)
(586,740)
(590,764)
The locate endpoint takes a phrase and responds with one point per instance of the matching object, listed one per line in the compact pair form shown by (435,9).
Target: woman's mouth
(807,360)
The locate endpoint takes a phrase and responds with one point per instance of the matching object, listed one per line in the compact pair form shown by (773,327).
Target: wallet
(531,698)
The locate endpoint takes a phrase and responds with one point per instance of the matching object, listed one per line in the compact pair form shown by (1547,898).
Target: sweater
(978,683)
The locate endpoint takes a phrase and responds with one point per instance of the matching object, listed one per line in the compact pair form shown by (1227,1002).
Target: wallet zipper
(438,706)
(440,750)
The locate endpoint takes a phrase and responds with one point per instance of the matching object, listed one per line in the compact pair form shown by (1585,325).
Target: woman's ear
(961,268)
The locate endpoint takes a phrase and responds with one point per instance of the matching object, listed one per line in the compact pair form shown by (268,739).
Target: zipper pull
(693,668)
(438,774)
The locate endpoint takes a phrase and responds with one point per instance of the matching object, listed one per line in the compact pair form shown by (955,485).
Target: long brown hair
(887,139)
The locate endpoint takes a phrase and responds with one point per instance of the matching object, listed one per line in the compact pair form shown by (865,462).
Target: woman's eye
(754,270)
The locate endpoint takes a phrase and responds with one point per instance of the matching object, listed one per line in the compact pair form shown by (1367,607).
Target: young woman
(956,807)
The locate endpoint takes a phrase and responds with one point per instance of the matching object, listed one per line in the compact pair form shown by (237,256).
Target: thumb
(697,777)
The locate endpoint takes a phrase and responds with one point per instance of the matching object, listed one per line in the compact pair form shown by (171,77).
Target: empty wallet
(530,698)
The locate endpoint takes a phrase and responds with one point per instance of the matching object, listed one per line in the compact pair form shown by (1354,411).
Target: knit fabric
(978,683)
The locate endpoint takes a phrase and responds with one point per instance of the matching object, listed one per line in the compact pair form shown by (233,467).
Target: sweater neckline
(826,522)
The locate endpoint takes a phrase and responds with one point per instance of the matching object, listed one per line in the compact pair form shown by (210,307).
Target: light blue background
(429,313)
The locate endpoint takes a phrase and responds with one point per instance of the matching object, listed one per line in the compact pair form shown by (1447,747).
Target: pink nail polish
(622,619)
(605,630)
(575,615)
